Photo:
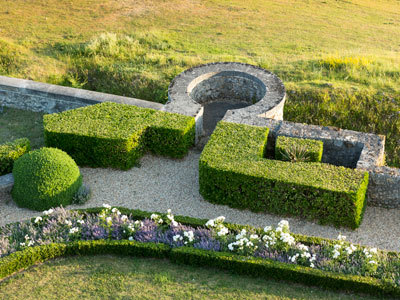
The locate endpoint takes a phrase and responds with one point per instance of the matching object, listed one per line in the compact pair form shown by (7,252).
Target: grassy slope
(109,277)
(336,57)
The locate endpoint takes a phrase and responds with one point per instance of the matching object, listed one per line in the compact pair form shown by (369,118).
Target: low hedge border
(234,172)
(256,267)
(306,149)
(10,152)
(117,135)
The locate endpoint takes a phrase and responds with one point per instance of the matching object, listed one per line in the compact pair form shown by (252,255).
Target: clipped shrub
(117,135)
(82,195)
(11,151)
(232,171)
(45,178)
(297,149)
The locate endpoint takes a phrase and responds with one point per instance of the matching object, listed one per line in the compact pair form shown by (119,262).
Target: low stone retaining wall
(50,98)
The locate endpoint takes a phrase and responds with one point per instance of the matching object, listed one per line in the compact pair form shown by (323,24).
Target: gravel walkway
(162,183)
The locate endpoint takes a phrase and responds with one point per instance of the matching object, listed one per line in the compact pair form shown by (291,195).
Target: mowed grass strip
(111,277)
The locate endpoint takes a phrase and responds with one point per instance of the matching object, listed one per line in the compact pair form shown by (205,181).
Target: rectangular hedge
(11,151)
(117,135)
(233,171)
(290,148)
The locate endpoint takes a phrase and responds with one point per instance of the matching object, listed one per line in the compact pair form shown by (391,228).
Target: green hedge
(45,178)
(232,171)
(117,135)
(296,149)
(10,152)
(256,267)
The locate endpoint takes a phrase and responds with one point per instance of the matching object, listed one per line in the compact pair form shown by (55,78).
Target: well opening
(219,92)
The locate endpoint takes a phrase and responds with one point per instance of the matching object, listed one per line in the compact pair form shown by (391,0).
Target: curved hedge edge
(32,255)
(191,221)
(269,269)
(255,267)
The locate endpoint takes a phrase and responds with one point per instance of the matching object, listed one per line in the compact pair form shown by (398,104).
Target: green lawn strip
(232,171)
(143,278)
(117,135)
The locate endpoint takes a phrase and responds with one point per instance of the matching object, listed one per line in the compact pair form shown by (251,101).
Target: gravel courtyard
(161,183)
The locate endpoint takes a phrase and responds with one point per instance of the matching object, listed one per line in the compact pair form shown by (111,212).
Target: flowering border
(234,262)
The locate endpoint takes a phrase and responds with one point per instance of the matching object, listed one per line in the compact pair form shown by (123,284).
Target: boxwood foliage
(117,135)
(11,151)
(258,267)
(232,171)
(45,178)
(296,149)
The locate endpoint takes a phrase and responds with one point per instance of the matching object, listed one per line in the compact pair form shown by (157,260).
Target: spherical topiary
(45,178)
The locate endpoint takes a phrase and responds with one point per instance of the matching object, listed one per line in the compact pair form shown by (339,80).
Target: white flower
(210,223)
(337,246)
(68,222)
(341,237)
(177,238)
(115,210)
(38,219)
(223,231)
(283,223)
(267,228)
(169,211)
(373,250)
(302,247)
(350,249)
(48,212)
(220,219)
(312,265)
(189,235)
(154,216)
(26,237)
(335,254)
(230,247)
(109,220)
(254,237)
(372,262)
(31,243)
(80,222)
(73,230)
(130,238)
(22,244)
(124,218)
(287,238)
(174,223)
(107,206)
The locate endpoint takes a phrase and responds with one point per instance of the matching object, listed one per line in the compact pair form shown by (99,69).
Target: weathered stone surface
(6,183)
(49,98)
(235,82)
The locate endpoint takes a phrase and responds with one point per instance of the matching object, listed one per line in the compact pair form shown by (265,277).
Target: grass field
(108,277)
(339,59)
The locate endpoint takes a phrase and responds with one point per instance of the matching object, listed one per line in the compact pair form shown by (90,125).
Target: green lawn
(340,60)
(16,123)
(110,277)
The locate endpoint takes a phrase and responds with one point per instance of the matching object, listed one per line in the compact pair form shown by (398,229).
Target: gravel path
(162,183)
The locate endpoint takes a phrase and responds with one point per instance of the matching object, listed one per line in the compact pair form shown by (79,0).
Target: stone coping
(265,87)
(49,98)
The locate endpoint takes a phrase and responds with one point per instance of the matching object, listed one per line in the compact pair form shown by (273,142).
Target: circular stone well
(208,91)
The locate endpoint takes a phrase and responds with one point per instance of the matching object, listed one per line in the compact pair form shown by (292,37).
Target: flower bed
(269,252)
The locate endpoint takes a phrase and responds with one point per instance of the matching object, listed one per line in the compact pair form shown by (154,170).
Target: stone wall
(49,98)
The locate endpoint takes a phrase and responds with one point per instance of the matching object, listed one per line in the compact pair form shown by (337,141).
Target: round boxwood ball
(45,178)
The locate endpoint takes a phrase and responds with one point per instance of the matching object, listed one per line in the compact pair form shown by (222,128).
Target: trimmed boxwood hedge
(310,150)
(10,152)
(234,172)
(257,267)
(117,135)
(45,178)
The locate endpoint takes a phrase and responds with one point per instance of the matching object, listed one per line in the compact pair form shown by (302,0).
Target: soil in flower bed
(110,277)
